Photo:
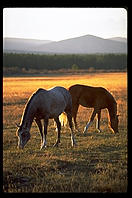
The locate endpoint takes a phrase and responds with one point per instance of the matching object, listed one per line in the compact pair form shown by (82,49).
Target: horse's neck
(27,118)
(112,110)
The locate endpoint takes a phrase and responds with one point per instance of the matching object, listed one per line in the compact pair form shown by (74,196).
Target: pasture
(98,163)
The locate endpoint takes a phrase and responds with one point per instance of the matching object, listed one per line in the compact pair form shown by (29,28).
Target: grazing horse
(93,97)
(45,104)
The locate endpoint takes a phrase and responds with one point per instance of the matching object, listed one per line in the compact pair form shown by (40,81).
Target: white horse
(45,104)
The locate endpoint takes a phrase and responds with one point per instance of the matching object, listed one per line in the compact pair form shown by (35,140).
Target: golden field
(97,164)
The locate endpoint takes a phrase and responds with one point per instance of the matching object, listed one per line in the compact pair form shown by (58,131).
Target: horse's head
(114,123)
(23,136)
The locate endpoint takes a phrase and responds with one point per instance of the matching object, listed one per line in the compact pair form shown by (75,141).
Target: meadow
(98,163)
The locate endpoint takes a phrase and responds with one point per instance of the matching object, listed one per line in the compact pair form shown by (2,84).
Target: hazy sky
(63,23)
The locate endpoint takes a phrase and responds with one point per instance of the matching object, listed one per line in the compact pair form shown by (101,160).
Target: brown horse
(97,98)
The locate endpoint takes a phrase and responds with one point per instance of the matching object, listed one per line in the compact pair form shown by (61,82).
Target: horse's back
(91,96)
(60,99)
(58,90)
(53,101)
(60,93)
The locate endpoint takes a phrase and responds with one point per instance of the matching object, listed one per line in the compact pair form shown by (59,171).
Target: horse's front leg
(39,124)
(58,130)
(43,145)
(90,122)
(74,115)
(98,121)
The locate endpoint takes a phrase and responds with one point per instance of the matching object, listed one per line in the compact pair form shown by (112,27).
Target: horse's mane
(29,102)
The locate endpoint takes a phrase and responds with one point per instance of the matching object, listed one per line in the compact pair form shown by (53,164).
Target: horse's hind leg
(58,130)
(69,117)
(91,121)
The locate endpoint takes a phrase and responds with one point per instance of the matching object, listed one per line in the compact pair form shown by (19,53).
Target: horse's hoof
(43,146)
(75,144)
(98,130)
(85,130)
(56,144)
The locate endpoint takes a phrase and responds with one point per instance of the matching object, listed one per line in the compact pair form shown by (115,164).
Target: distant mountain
(25,45)
(87,44)
(120,39)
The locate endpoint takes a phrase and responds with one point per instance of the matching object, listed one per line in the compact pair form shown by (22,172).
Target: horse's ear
(18,125)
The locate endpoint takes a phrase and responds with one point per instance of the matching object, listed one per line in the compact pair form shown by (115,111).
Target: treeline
(56,62)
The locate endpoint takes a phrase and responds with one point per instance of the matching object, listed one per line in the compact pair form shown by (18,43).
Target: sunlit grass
(97,164)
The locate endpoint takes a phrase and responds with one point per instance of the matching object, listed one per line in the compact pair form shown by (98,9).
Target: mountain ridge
(87,44)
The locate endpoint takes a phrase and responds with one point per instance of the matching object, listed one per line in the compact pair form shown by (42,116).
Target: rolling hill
(87,44)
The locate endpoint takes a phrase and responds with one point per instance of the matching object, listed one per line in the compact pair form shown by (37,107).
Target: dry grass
(97,164)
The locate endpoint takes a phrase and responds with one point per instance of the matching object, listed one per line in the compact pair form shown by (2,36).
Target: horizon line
(63,39)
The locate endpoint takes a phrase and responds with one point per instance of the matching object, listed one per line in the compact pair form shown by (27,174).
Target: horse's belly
(89,102)
(55,113)
(56,109)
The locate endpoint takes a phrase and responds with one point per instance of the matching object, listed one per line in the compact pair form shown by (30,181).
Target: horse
(93,97)
(45,104)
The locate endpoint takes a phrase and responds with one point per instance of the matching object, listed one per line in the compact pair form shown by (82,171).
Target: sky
(62,23)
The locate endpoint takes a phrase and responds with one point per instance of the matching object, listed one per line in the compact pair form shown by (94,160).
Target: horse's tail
(63,119)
